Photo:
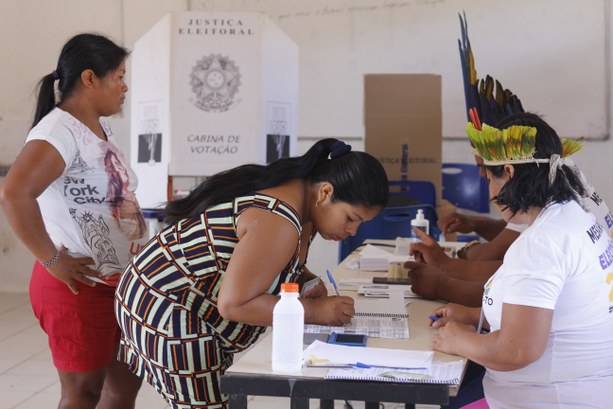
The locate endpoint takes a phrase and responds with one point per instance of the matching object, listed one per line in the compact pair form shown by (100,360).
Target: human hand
(456,223)
(455,313)
(428,251)
(426,280)
(69,269)
(334,310)
(447,338)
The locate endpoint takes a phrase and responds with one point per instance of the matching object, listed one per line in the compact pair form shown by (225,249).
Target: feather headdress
(490,99)
(487,102)
(515,144)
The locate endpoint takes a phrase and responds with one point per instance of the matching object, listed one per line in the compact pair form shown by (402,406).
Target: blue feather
(491,100)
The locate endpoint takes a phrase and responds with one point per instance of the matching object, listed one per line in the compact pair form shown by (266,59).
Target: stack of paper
(376,259)
(372,264)
(324,354)
(449,373)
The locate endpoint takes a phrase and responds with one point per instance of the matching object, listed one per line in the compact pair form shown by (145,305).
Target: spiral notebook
(380,318)
(449,373)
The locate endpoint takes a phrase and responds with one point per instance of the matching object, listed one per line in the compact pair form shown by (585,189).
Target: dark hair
(358,178)
(530,183)
(81,52)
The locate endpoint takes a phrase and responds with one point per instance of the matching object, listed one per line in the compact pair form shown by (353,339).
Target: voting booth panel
(210,91)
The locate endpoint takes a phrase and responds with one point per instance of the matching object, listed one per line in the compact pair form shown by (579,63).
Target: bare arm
(36,167)
(429,252)
(432,283)
(266,244)
(484,226)
(521,340)
(471,270)
(456,313)
(494,249)
(487,227)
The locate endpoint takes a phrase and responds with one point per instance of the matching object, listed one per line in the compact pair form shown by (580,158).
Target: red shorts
(82,330)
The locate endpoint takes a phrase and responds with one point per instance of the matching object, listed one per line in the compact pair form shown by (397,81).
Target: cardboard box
(404,125)
(210,91)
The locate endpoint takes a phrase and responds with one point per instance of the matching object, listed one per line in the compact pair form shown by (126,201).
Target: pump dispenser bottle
(421,223)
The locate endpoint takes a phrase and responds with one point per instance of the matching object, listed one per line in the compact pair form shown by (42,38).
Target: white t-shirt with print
(563,262)
(91,209)
(593,201)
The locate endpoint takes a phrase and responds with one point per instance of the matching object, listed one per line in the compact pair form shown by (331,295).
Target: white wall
(33,31)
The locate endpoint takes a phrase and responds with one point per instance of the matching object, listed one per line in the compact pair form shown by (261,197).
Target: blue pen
(434,317)
(366,366)
(331,278)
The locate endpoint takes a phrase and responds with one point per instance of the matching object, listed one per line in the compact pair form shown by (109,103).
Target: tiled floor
(28,379)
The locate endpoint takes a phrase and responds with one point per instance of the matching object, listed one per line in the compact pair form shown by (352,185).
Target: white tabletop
(258,358)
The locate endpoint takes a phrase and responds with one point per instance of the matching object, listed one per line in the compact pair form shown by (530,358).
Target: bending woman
(205,287)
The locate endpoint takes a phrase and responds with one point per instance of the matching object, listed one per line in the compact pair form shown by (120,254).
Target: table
(252,373)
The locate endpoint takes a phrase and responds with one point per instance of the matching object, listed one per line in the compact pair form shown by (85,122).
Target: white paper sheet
(393,358)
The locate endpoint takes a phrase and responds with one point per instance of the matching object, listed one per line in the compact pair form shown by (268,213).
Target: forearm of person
(24,217)
(471,270)
(494,249)
(492,352)
(36,167)
(513,347)
(483,252)
(257,311)
(464,292)
(487,227)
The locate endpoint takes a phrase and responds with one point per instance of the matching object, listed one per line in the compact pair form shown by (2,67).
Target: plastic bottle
(287,330)
(421,223)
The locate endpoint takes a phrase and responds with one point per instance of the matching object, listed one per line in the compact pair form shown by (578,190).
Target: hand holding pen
(457,313)
(337,310)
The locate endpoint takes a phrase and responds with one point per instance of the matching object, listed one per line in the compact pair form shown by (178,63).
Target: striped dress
(166,303)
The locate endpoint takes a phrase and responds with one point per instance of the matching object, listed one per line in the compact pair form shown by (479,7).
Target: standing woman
(204,288)
(549,307)
(55,199)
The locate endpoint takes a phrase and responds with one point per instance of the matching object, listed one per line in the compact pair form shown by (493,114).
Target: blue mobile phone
(352,340)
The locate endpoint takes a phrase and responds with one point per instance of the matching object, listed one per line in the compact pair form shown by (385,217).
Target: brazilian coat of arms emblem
(215,80)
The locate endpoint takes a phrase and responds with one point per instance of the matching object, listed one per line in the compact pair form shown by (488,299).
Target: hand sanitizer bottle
(421,223)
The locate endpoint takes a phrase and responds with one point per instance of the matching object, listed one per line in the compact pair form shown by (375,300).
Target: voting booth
(210,91)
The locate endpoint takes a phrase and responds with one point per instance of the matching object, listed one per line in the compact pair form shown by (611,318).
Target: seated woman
(549,307)
(434,275)
(205,287)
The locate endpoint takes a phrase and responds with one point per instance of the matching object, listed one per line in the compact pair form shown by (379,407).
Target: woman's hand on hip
(70,269)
